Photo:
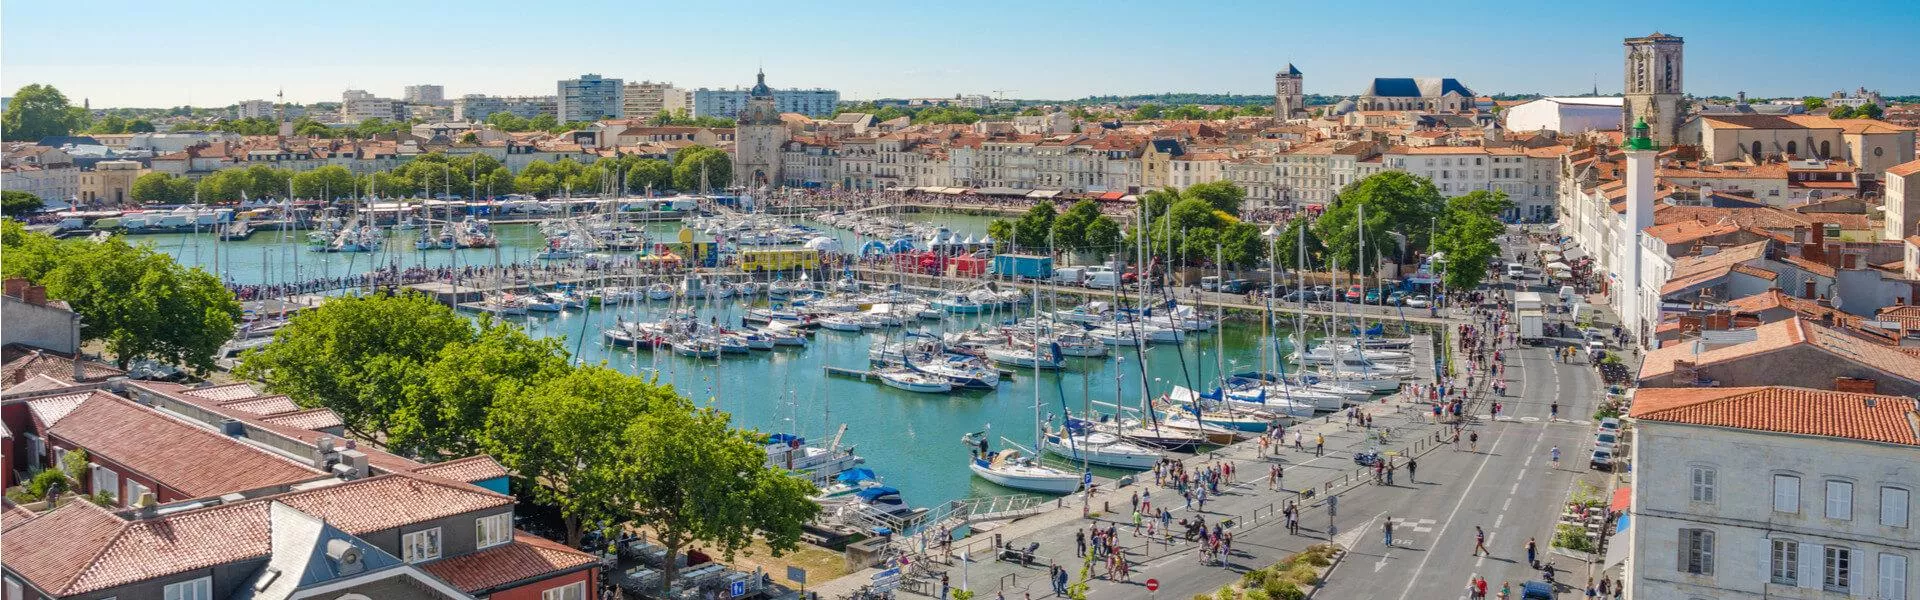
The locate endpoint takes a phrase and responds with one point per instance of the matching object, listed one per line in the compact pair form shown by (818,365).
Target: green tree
(37,111)
(1150,111)
(140,126)
(109,124)
(506,121)
(445,413)
(1103,235)
(1394,201)
(1868,111)
(1813,103)
(542,122)
(649,173)
(691,478)
(1223,195)
(1841,112)
(470,138)
(1001,230)
(357,356)
(155,188)
(15,203)
(565,439)
(690,162)
(328,182)
(1030,232)
(1157,201)
(1242,245)
(1070,228)
(140,302)
(1287,248)
(1469,227)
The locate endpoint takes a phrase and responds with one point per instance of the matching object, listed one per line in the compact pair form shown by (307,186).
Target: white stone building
(589,97)
(1772,492)
(1566,115)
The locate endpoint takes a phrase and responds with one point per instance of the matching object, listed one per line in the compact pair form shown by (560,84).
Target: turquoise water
(911,440)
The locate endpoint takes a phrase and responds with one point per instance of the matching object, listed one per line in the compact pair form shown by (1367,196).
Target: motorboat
(1375,383)
(505,304)
(731,344)
(793,453)
(913,381)
(696,348)
(1081,444)
(1326,354)
(566,300)
(660,291)
(783,334)
(749,288)
(1011,469)
(774,315)
(847,482)
(545,303)
(958,304)
(1116,335)
(1080,344)
(1027,358)
(616,295)
(757,341)
(1362,366)
(961,371)
(840,322)
(1091,313)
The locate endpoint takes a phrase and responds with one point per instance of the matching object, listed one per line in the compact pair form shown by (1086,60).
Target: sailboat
(1077,440)
(1009,467)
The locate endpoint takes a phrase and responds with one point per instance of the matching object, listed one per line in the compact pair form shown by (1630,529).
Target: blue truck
(1023,266)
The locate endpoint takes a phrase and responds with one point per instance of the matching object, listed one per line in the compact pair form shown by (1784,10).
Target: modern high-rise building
(1289,98)
(359,105)
(1654,89)
(477,107)
(646,99)
(728,103)
(254,109)
(590,98)
(425,94)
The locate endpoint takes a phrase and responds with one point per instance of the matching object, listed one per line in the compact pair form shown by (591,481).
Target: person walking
(1553,411)
(1532,561)
(1480,541)
(1555,454)
(943,586)
(1413,464)
(1473,441)
(1319,444)
(1387,527)
(1079,542)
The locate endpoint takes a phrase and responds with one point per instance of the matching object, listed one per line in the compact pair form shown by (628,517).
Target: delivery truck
(1533,324)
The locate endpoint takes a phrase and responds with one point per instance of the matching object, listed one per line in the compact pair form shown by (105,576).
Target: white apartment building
(1196,167)
(1772,492)
(253,109)
(588,97)
(1259,177)
(1304,172)
(859,163)
(424,94)
(646,99)
(359,105)
(53,183)
(476,107)
(1007,163)
(727,103)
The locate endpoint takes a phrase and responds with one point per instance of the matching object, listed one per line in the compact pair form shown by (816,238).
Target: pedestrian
(1389,461)
(1592,592)
(1606,586)
(943,586)
(1079,543)
(1473,441)
(1296,442)
(1388,528)
(1135,500)
(1480,541)
(1413,464)
(1319,444)
(1531,548)
(1553,412)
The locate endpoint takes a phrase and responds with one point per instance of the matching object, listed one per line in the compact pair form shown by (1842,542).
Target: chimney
(16,287)
(1740,98)
(1816,249)
(1800,234)
(1855,385)
(1689,323)
(35,295)
(1719,321)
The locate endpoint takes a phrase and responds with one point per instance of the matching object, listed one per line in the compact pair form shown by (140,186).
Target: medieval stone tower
(1289,100)
(1654,90)
(759,134)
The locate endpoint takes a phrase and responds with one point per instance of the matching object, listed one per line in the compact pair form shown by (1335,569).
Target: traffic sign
(1153,585)
(738,589)
(797,575)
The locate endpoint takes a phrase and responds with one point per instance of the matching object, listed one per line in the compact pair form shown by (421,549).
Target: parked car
(1300,296)
(1373,296)
(1536,590)
(1606,441)
(1516,271)
(1354,293)
(1323,291)
(1418,301)
(1236,286)
(1209,283)
(1396,298)
(1610,425)
(1602,460)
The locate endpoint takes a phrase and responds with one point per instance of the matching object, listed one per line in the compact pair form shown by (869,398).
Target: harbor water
(911,440)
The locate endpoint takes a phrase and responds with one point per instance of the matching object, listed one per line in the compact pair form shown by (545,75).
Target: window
(493,530)
(1893,507)
(1839,500)
(198,589)
(421,545)
(572,591)
(1786,562)
(105,481)
(1786,494)
(14,590)
(1703,479)
(1838,572)
(1893,577)
(1696,551)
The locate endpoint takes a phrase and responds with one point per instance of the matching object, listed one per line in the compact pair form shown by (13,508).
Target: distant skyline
(144,54)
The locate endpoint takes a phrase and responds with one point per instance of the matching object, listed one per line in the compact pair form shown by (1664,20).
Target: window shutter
(1893,507)
(1786,493)
(1893,577)
(1812,565)
(1855,587)
(1680,560)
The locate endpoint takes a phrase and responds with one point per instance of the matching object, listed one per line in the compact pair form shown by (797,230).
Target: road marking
(1509,503)
(1529,461)
(1529,419)
(1448,522)
(1513,490)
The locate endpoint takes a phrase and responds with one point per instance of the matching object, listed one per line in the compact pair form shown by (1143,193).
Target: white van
(1516,271)
(1101,278)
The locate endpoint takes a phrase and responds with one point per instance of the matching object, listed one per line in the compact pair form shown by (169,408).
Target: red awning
(1113,195)
(1622,499)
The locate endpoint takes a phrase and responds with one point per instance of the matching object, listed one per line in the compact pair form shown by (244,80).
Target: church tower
(1289,101)
(759,133)
(1654,91)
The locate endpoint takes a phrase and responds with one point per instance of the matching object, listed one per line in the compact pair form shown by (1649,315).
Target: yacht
(912,380)
(1010,468)
(1081,444)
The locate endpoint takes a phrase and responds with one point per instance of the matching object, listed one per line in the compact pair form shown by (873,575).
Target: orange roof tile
(223,393)
(526,557)
(52,550)
(470,469)
(389,501)
(178,543)
(1779,409)
(1785,334)
(262,405)
(1904,169)
(313,418)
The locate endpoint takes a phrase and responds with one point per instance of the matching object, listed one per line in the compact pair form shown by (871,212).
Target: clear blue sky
(211,53)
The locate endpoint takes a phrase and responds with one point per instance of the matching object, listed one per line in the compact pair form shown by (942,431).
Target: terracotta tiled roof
(1904,169)
(526,557)
(223,393)
(1784,334)
(54,549)
(313,418)
(23,362)
(52,409)
(392,500)
(1694,270)
(1889,419)
(1763,301)
(469,469)
(1679,232)
(262,405)
(38,383)
(1756,272)
(12,515)
(178,543)
(190,459)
